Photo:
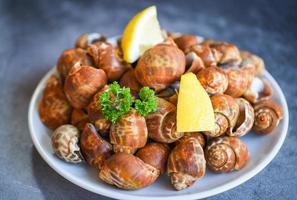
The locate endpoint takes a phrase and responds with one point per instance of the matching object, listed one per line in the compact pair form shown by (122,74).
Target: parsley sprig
(118,100)
(115,102)
(147,102)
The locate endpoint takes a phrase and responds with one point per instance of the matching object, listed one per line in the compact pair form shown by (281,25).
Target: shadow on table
(53,186)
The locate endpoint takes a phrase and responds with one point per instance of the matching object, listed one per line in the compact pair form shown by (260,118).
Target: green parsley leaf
(115,102)
(147,102)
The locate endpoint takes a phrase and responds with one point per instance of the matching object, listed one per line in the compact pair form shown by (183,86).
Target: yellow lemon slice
(194,108)
(142,32)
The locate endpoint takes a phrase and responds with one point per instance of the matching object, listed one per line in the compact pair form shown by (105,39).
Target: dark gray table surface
(33,34)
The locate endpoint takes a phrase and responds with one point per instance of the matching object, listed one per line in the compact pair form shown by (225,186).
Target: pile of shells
(136,150)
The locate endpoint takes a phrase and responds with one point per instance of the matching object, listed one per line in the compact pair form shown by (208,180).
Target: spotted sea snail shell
(108,58)
(79,118)
(226,112)
(226,53)
(267,116)
(94,148)
(82,83)
(245,119)
(86,39)
(129,132)
(213,80)
(128,172)
(198,135)
(185,41)
(54,108)
(65,143)
(69,57)
(249,59)
(96,116)
(161,124)
(225,154)
(259,89)
(160,66)
(155,154)
(186,163)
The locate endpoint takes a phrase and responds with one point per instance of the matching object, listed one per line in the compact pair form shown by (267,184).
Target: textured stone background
(33,33)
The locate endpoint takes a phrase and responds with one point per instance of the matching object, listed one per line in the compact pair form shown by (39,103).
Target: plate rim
(106,192)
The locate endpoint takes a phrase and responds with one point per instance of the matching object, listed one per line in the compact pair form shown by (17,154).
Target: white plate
(262,149)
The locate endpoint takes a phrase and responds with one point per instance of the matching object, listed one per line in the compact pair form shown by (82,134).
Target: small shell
(65,143)
(267,116)
(193,63)
(259,89)
(82,83)
(70,57)
(226,154)
(213,80)
(94,148)
(79,118)
(161,124)
(186,163)
(160,66)
(205,53)
(129,133)
(155,154)
(249,59)
(238,81)
(96,116)
(54,108)
(185,41)
(227,53)
(245,119)
(226,113)
(127,172)
(198,135)
(87,39)
(109,59)
(129,80)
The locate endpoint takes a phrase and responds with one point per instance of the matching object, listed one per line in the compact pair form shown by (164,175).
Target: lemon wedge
(194,108)
(142,32)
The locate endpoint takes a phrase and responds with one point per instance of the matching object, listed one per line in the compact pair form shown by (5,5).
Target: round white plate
(262,149)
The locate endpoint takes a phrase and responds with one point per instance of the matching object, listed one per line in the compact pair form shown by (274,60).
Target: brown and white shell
(161,124)
(238,81)
(86,39)
(198,135)
(186,163)
(260,89)
(79,118)
(54,107)
(69,58)
(185,41)
(129,132)
(109,59)
(225,154)
(129,80)
(96,116)
(252,60)
(209,57)
(82,83)
(160,66)
(193,62)
(65,143)
(213,80)
(94,148)
(227,53)
(267,116)
(226,112)
(128,172)
(155,154)
(245,119)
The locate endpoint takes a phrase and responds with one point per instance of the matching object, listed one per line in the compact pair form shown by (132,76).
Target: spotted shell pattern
(65,143)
